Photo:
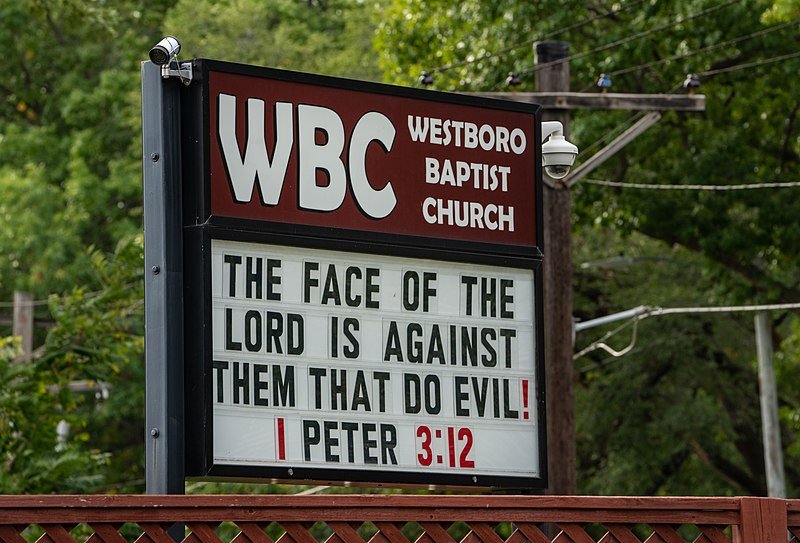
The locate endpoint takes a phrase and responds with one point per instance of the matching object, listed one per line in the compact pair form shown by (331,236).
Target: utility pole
(23,323)
(553,94)
(771,429)
(557,220)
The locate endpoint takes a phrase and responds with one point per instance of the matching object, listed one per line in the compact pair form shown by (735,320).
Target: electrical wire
(653,186)
(656,186)
(625,124)
(711,73)
(627,39)
(621,127)
(745,66)
(703,50)
(708,73)
(32,303)
(526,43)
(91,294)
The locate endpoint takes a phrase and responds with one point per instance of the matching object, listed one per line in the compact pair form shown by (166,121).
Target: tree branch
(728,470)
(667,471)
(56,31)
(787,135)
(750,272)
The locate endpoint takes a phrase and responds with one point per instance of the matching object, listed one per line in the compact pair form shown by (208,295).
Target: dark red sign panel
(327,156)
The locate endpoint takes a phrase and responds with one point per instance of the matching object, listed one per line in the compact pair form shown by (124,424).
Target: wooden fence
(397,519)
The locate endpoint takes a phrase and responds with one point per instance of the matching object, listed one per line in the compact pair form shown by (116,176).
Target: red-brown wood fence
(397,519)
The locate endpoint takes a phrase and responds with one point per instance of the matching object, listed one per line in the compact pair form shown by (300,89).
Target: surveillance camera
(558,155)
(165,50)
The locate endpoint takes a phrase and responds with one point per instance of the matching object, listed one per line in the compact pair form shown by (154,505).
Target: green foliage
(70,194)
(782,10)
(679,413)
(71,205)
(69,144)
(37,245)
(31,406)
(419,36)
(329,36)
(787,375)
(97,341)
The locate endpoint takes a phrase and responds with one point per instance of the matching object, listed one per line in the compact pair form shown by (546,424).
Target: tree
(70,191)
(69,125)
(71,205)
(329,37)
(97,339)
(682,410)
(30,411)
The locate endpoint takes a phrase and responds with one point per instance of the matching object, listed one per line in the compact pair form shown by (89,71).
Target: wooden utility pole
(23,322)
(557,211)
(553,94)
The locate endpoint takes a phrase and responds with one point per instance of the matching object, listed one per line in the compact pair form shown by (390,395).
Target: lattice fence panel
(377,532)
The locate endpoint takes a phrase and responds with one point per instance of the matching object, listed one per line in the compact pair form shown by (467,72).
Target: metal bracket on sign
(183,71)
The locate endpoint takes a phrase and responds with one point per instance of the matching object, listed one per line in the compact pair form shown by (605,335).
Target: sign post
(362,286)
(161,164)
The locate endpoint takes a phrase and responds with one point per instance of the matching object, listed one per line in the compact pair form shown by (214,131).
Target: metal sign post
(161,164)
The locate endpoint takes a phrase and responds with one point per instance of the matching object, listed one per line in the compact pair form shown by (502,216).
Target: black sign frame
(200,227)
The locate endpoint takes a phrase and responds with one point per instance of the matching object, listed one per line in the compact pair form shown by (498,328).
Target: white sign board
(361,283)
(349,361)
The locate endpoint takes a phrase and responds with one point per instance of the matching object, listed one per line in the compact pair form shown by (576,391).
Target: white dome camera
(558,155)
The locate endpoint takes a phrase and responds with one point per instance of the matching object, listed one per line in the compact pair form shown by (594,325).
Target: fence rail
(397,519)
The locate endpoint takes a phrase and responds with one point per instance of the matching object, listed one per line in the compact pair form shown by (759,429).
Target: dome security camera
(558,155)
(165,50)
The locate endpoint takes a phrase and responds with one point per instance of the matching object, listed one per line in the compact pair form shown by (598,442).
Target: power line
(624,124)
(704,49)
(91,294)
(750,65)
(526,43)
(716,46)
(628,39)
(656,186)
(695,187)
(621,127)
(34,303)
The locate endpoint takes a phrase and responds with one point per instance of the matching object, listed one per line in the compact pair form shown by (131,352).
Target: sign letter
(326,157)
(242,171)
(373,126)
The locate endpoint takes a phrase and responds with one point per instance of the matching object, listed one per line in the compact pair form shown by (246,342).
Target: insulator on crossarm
(604,82)
(691,83)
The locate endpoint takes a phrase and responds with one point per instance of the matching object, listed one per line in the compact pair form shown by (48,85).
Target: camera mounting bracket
(182,71)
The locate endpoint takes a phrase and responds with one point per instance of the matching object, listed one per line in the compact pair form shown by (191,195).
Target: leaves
(679,414)
(30,411)
(71,206)
(329,38)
